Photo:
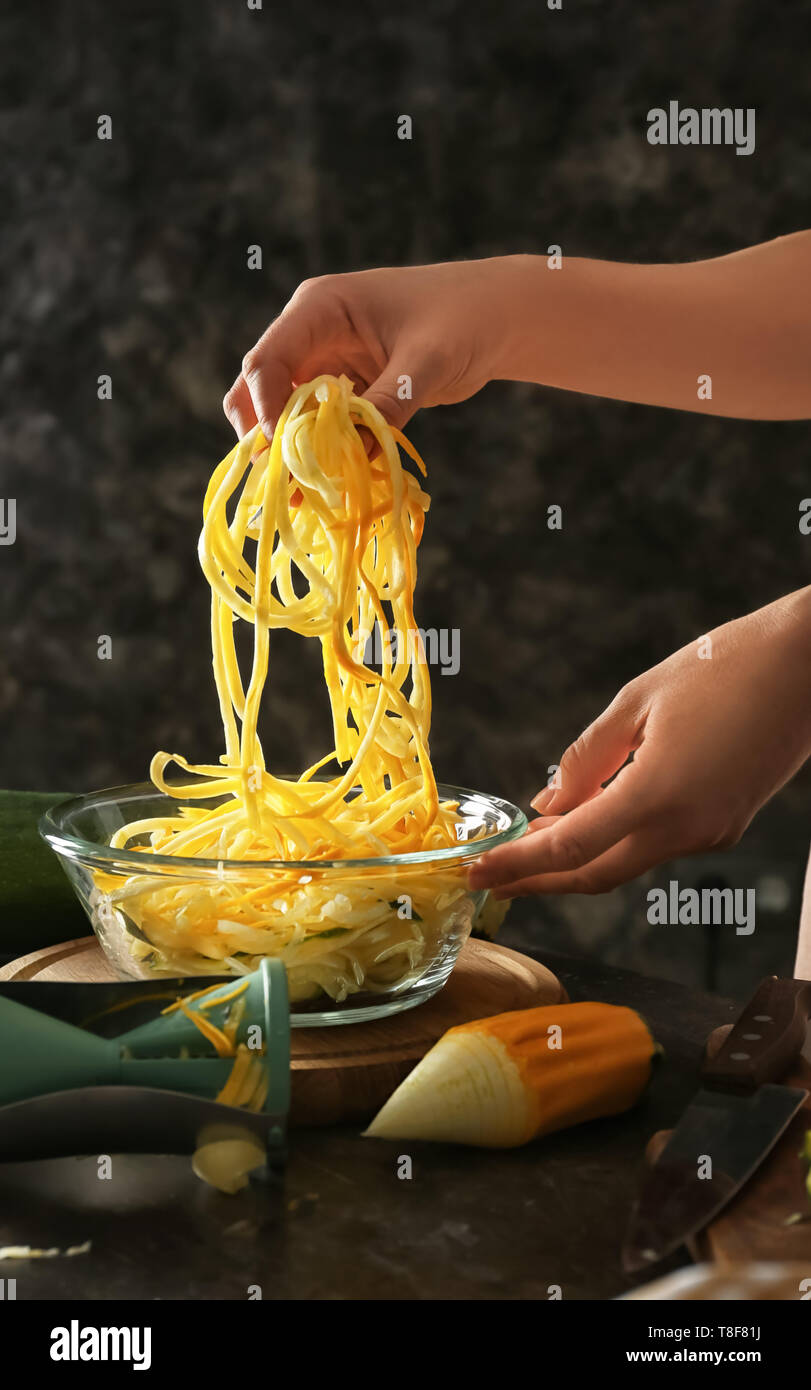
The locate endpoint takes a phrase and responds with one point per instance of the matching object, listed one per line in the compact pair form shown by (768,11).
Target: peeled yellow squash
(501,1081)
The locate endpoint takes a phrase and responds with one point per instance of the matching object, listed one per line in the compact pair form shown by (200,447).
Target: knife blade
(728,1129)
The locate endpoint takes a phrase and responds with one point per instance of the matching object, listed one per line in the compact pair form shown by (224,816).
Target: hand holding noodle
(552,319)
(556,320)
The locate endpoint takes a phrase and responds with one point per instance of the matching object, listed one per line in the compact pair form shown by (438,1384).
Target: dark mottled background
(278,127)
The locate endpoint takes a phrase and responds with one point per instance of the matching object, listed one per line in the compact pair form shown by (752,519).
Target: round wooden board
(345,1073)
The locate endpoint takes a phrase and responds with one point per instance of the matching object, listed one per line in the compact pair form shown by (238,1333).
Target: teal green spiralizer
(66,1090)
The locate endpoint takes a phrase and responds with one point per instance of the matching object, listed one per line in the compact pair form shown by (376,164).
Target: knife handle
(766,1039)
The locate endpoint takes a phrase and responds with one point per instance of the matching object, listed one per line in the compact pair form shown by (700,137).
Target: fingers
(596,755)
(269,380)
(632,856)
(571,842)
(239,408)
(269,369)
(260,392)
(385,393)
(542,823)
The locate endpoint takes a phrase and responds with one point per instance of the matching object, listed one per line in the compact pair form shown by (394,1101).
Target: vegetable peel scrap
(228,1163)
(33,1252)
(225,1158)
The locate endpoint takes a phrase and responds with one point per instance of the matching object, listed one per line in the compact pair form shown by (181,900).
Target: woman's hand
(435,334)
(407,338)
(715,730)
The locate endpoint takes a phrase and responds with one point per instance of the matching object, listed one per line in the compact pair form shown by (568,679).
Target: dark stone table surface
(341,1224)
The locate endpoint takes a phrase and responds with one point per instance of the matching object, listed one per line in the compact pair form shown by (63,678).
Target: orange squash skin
(598,1064)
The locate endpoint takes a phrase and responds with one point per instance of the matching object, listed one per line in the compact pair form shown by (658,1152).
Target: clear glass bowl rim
(74,847)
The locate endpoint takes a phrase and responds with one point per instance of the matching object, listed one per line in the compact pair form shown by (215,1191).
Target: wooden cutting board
(346,1072)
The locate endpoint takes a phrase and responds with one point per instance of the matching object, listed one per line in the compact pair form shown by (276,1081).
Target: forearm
(784,630)
(646,333)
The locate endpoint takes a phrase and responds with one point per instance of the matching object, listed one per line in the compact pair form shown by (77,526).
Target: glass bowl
(360,938)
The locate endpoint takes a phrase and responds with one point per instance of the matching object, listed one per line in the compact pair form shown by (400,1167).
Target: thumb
(596,755)
(391,393)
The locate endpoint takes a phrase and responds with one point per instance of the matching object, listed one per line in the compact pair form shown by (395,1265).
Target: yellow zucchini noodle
(321,541)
